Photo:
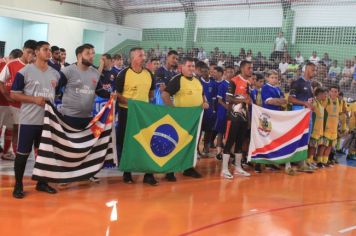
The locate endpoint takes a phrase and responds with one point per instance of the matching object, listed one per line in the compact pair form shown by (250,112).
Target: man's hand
(205,105)
(40,101)
(309,105)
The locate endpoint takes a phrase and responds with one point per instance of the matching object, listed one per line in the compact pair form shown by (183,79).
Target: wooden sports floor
(271,203)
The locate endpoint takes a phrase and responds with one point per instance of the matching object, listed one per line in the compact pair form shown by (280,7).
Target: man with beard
(55,61)
(81,81)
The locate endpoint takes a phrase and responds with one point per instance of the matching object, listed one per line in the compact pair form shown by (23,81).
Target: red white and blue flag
(278,136)
(67,154)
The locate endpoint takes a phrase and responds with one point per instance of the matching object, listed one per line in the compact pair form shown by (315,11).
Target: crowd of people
(223,85)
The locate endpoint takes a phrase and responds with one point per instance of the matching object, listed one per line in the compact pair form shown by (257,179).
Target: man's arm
(3,77)
(172,88)
(119,87)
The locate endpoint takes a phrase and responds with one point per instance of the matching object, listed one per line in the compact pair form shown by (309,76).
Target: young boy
(315,142)
(273,99)
(220,124)
(331,120)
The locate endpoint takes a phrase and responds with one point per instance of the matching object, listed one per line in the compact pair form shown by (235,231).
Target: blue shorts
(28,135)
(208,121)
(220,125)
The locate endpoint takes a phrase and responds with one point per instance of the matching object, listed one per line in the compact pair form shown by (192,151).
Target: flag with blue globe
(160,139)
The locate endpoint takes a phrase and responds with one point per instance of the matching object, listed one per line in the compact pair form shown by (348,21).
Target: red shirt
(8,76)
(241,86)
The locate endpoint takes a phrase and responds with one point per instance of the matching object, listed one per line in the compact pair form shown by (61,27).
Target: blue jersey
(107,81)
(210,92)
(222,90)
(269,92)
(161,76)
(116,70)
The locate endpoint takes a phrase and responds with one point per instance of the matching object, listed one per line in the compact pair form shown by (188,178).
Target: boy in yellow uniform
(342,122)
(331,119)
(315,142)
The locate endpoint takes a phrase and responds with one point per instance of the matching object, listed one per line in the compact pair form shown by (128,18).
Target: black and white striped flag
(66,154)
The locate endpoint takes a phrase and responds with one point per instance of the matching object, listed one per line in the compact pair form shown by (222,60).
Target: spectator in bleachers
(327,61)
(280,46)
(347,74)
(202,54)
(249,55)
(242,54)
(299,58)
(283,66)
(314,58)
(292,69)
(322,74)
(334,71)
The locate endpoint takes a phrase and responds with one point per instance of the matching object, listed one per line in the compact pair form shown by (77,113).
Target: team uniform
(107,81)
(237,125)
(317,124)
(331,120)
(220,123)
(256,96)
(55,65)
(33,82)
(162,76)
(78,97)
(135,86)
(209,116)
(269,92)
(116,70)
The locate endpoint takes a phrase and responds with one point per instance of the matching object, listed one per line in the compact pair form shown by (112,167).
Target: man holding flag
(187,91)
(33,85)
(136,83)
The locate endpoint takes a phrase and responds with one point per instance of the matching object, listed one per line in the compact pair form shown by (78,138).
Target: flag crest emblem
(163,139)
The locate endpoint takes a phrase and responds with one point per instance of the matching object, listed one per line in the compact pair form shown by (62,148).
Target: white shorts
(6,117)
(15,114)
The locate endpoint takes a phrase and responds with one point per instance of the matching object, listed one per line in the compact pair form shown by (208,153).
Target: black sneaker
(149,179)
(128,178)
(44,187)
(320,165)
(219,156)
(18,192)
(94,179)
(191,172)
(258,168)
(170,177)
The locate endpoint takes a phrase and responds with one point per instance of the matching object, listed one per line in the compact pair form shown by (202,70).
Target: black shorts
(29,135)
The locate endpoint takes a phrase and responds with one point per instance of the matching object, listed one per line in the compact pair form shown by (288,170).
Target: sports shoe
(191,172)
(258,168)
(311,166)
(170,177)
(226,175)
(305,169)
(44,187)
(218,156)
(239,171)
(94,179)
(18,191)
(290,171)
(150,179)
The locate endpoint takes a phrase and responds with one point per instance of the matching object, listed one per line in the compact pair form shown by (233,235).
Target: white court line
(347,229)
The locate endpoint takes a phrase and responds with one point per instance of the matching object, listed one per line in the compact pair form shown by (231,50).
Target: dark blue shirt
(301,89)
(54,65)
(163,75)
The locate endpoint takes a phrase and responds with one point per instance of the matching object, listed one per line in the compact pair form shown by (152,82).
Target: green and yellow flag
(160,139)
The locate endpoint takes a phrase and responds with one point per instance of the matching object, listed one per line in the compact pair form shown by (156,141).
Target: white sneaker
(239,171)
(94,179)
(226,175)
(8,156)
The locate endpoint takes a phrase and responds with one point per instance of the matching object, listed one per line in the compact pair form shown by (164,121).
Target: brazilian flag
(160,139)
